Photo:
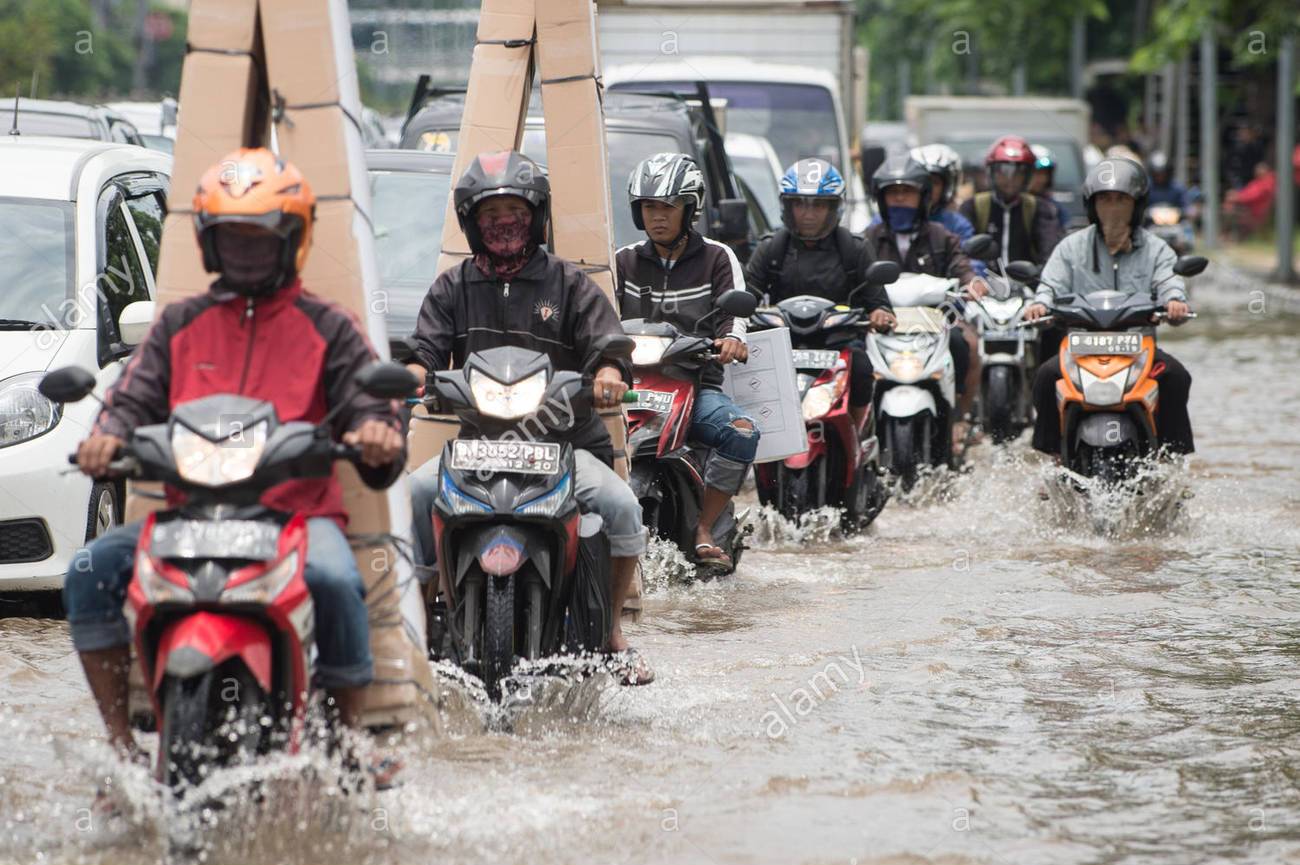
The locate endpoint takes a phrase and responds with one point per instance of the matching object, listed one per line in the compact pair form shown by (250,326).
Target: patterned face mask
(509,245)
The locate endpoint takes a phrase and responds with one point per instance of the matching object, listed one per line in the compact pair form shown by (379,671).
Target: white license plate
(1105,343)
(1002,336)
(482,455)
(814,358)
(652,400)
(215,539)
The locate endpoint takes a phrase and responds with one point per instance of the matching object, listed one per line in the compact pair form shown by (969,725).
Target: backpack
(1028,208)
(843,243)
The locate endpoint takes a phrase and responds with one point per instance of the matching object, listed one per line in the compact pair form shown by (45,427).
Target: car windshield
(798,119)
(409,207)
(626,149)
(36,267)
(58,125)
(757,172)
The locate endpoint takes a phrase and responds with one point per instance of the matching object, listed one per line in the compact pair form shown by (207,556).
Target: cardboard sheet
(766,389)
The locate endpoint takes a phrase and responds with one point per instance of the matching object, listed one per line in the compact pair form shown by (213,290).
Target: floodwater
(971,682)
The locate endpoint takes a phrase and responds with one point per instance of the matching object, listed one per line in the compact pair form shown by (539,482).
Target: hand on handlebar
(882,320)
(608,387)
(731,350)
(1177,312)
(95,453)
(378,442)
(1035,311)
(976,288)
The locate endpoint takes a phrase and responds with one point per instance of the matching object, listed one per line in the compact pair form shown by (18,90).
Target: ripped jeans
(731,448)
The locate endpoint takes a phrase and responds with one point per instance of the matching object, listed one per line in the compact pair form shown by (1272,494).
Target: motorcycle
(1169,223)
(524,575)
(1108,393)
(217,603)
(841,467)
(667,472)
(916,385)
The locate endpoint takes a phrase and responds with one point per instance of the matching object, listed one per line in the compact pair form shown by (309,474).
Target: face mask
(902,218)
(509,245)
(1116,225)
(250,262)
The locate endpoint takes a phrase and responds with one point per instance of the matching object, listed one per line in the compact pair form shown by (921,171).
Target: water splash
(664,565)
(774,532)
(1152,502)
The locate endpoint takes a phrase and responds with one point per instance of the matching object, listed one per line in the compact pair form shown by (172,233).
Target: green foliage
(1251,28)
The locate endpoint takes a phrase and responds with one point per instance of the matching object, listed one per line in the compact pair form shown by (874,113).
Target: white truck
(790,72)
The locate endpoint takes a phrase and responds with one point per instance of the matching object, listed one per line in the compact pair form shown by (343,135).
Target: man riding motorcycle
(920,245)
(944,165)
(1164,189)
(514,292)
(812,254)
(253,216)
(674,276)
(1044,178)
(1024,227)
(1115,253)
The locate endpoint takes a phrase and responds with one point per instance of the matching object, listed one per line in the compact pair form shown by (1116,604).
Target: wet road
(969,683)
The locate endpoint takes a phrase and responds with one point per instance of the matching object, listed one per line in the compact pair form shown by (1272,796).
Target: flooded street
(968,683)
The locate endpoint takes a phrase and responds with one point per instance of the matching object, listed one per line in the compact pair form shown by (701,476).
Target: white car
(80,226)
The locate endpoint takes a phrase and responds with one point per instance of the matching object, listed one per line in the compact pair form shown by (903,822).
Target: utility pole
(1078,47)
(1285,195)
(1209,150)
(1183,121)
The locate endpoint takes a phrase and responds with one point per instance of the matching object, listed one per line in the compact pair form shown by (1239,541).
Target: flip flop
(720,559)
(634,668)
(384,772)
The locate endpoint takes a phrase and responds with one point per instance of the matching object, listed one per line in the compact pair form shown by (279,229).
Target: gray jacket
(1081,264)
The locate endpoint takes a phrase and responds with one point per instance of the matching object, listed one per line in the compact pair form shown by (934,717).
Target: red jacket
(293,349)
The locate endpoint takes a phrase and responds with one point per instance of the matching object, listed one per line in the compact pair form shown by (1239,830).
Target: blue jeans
(731,448)
(95,590)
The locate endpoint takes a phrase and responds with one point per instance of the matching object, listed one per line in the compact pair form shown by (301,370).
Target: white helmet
(941,159)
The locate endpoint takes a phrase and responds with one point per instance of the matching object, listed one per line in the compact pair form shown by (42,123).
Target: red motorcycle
(221,616)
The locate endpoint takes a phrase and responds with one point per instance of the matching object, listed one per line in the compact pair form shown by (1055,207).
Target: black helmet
(667,177)
(502,173)
(900,170)
(1117,174)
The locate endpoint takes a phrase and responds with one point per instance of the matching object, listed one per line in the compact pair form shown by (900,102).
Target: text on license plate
(652,400)
(204,539)
(814,358)
(532,458)
(1105,343)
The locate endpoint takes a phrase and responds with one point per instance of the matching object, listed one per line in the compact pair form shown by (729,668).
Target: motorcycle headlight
(906,367)
(268,586)
(648,431)
(820,398)
(649,350)
(1165,215)
(457,500)
(157,588)
(1002,310)
(1071,369)
(507,401)
(215,464)
(548,502)
(24,412)
(837,319)
(1135,371)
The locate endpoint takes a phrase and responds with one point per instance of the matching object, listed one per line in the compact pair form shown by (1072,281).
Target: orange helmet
(253,186)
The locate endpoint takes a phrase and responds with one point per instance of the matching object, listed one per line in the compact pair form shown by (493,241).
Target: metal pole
(1183,121)
(1018,79)
(904,86)
(1078,47)
(1285,196)
(1168,85)
(1149,131)
(1209,149)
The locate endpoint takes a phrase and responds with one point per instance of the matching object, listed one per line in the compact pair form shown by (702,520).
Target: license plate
(652,400)
(219,539)
(482,455)
(1105,343)
(814,358)
(1002,336)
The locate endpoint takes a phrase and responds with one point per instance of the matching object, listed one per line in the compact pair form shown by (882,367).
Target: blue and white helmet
(812,179)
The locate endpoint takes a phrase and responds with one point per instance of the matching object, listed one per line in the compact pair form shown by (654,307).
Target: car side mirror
(883,272)
(134,322)
(1190,265)
(68,384)
(981,247)
(737,303)
(1024,272)
(387,380)
(733,219)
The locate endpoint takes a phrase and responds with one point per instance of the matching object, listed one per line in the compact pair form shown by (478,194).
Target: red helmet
(1010,148)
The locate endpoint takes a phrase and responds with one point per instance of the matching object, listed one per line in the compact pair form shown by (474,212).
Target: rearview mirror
(981,246)
(1023,271)
(1190,265)
(69,384)
(387,380)
(134,322)
(733,219)
(737,303)
(883,272)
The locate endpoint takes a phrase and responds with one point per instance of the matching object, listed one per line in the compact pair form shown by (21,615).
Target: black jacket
(830,268)
(550,307)
(1035,246)
(934,250)
(683,294)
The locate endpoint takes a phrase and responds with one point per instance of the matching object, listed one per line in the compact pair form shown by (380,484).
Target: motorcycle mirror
(1190,265)
(981,247)
(1023,271)
(387,380)
(69,384)
(737,303)
(883,272)
(615,346)
(401,349)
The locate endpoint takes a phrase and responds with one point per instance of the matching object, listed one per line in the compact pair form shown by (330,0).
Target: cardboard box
(766,389)
(222,25)
(180,263)
(309,55)
(567,40)
(220,92)
(318,141)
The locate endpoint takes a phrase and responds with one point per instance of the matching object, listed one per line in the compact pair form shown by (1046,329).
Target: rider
(674,276)
(1024,227)
(1044,178)
(1115,253)
(253,215)
(919,245)
(812,254)
(512,291)
(944,165)
(1164,189)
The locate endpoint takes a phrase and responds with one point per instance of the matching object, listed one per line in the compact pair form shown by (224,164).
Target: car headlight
(216,464)
(906,367)
(649,350)
(457,500)
(820,398)
(24,412)
(507,401)
(268,586)
(548,502)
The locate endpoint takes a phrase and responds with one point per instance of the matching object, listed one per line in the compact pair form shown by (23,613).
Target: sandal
(719,557)
(384,773)
(632,666)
